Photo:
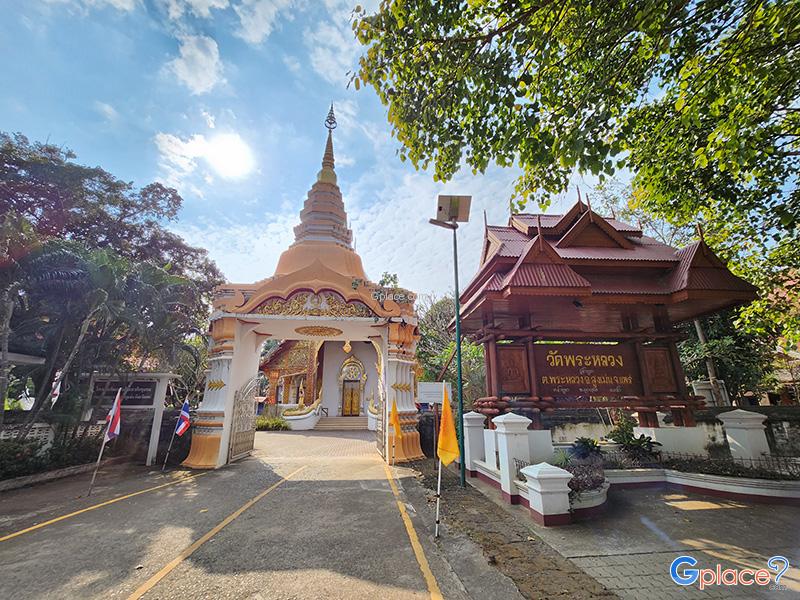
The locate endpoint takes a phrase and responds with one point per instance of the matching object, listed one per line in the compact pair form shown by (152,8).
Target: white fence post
(473,441)
(512,442)
(745,433)
(548,493)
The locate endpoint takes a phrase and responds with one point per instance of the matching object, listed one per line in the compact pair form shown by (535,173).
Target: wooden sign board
(512,370)
(660,375)
(570,370)
(140,393)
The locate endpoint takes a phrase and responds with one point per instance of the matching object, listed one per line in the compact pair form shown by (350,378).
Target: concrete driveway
(309,515)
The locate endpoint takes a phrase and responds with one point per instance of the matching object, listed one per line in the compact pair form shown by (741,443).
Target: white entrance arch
(319,292)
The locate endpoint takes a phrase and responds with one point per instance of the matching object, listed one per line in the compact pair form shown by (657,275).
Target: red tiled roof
(544,275)
(711,276)
(551,221)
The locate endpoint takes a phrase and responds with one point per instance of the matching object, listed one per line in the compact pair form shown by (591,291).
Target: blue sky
(225,100)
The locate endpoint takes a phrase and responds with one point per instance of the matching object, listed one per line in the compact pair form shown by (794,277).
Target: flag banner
(394,420)
(114,417)
(183,420)
(447,447)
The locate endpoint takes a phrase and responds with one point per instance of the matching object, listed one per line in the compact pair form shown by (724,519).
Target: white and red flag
(183,420)
(114,417)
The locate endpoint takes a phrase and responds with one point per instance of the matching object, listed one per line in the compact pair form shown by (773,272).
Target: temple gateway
(347,344)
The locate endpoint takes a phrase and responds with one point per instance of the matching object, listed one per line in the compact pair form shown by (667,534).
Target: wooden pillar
(487,361)
(495,390)
(534,376)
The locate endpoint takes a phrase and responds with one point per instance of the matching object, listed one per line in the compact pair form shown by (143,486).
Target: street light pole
(461,462)
(459,382)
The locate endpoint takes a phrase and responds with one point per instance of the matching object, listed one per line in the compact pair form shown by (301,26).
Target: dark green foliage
(743,360)
(698,100)
(585,448)
(622,431)
(20,457)
(638,449)
(26,457)
(264,423)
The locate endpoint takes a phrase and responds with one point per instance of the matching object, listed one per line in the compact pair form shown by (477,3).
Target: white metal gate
(243,428)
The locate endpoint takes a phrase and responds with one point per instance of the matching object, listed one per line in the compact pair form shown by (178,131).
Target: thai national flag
(114,417)
(183,420)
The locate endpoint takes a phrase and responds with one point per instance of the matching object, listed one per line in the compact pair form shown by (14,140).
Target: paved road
(333,529)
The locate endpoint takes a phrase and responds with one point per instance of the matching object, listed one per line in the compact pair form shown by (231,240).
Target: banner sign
(586,370)
(140,393)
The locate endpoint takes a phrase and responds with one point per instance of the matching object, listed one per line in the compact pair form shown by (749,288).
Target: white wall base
(687,440)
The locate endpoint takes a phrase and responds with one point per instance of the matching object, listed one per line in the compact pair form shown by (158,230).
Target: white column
(158,414)
(473,440)
(745,433)
(512,442)
(548,493)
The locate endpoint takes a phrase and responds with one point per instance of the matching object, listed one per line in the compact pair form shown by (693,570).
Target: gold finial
(327,173)
(330,121)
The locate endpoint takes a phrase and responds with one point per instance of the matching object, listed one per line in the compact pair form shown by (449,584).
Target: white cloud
(257,18)
(210,120)
(106,110)
(198,66)
(200,8)
(291,63)
(332,50)
(245,251)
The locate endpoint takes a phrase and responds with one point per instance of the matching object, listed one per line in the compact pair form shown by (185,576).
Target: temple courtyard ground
(313,515)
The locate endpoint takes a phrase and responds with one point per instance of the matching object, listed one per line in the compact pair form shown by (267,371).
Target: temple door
(351,399)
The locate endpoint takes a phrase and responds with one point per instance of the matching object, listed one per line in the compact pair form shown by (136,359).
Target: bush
(18,458)
(271,423)
(75,451)
(622,431)
(585,448)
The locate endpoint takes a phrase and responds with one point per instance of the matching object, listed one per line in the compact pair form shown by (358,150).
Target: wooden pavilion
(578,311)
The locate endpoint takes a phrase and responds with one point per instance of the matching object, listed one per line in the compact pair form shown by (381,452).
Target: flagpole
(438,497)
(97,464)
(172,439)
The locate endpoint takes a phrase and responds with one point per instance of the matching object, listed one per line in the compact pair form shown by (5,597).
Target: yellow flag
(394,419)
(447,448)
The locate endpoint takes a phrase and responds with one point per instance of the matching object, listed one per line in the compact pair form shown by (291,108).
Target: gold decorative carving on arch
(318,331)
(323,304)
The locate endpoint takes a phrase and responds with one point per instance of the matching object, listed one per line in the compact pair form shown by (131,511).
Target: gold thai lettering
(556,359)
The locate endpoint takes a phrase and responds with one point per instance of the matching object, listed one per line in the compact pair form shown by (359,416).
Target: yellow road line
(148,585)
(419,553)
(95,506)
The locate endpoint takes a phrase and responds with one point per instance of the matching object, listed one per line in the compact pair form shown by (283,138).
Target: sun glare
(229,156)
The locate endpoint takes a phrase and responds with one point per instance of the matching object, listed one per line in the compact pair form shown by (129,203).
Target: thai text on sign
(565,370)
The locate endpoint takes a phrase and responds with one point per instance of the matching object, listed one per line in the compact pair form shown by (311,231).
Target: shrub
(585,448)
(622,432)
(271,423)
(75,451)
(18,458)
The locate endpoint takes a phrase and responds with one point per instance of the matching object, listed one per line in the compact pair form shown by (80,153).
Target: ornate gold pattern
(402,387)
(216,384)
(324,304)
(318,331)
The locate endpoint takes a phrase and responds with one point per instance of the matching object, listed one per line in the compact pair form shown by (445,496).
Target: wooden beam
(541,334)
